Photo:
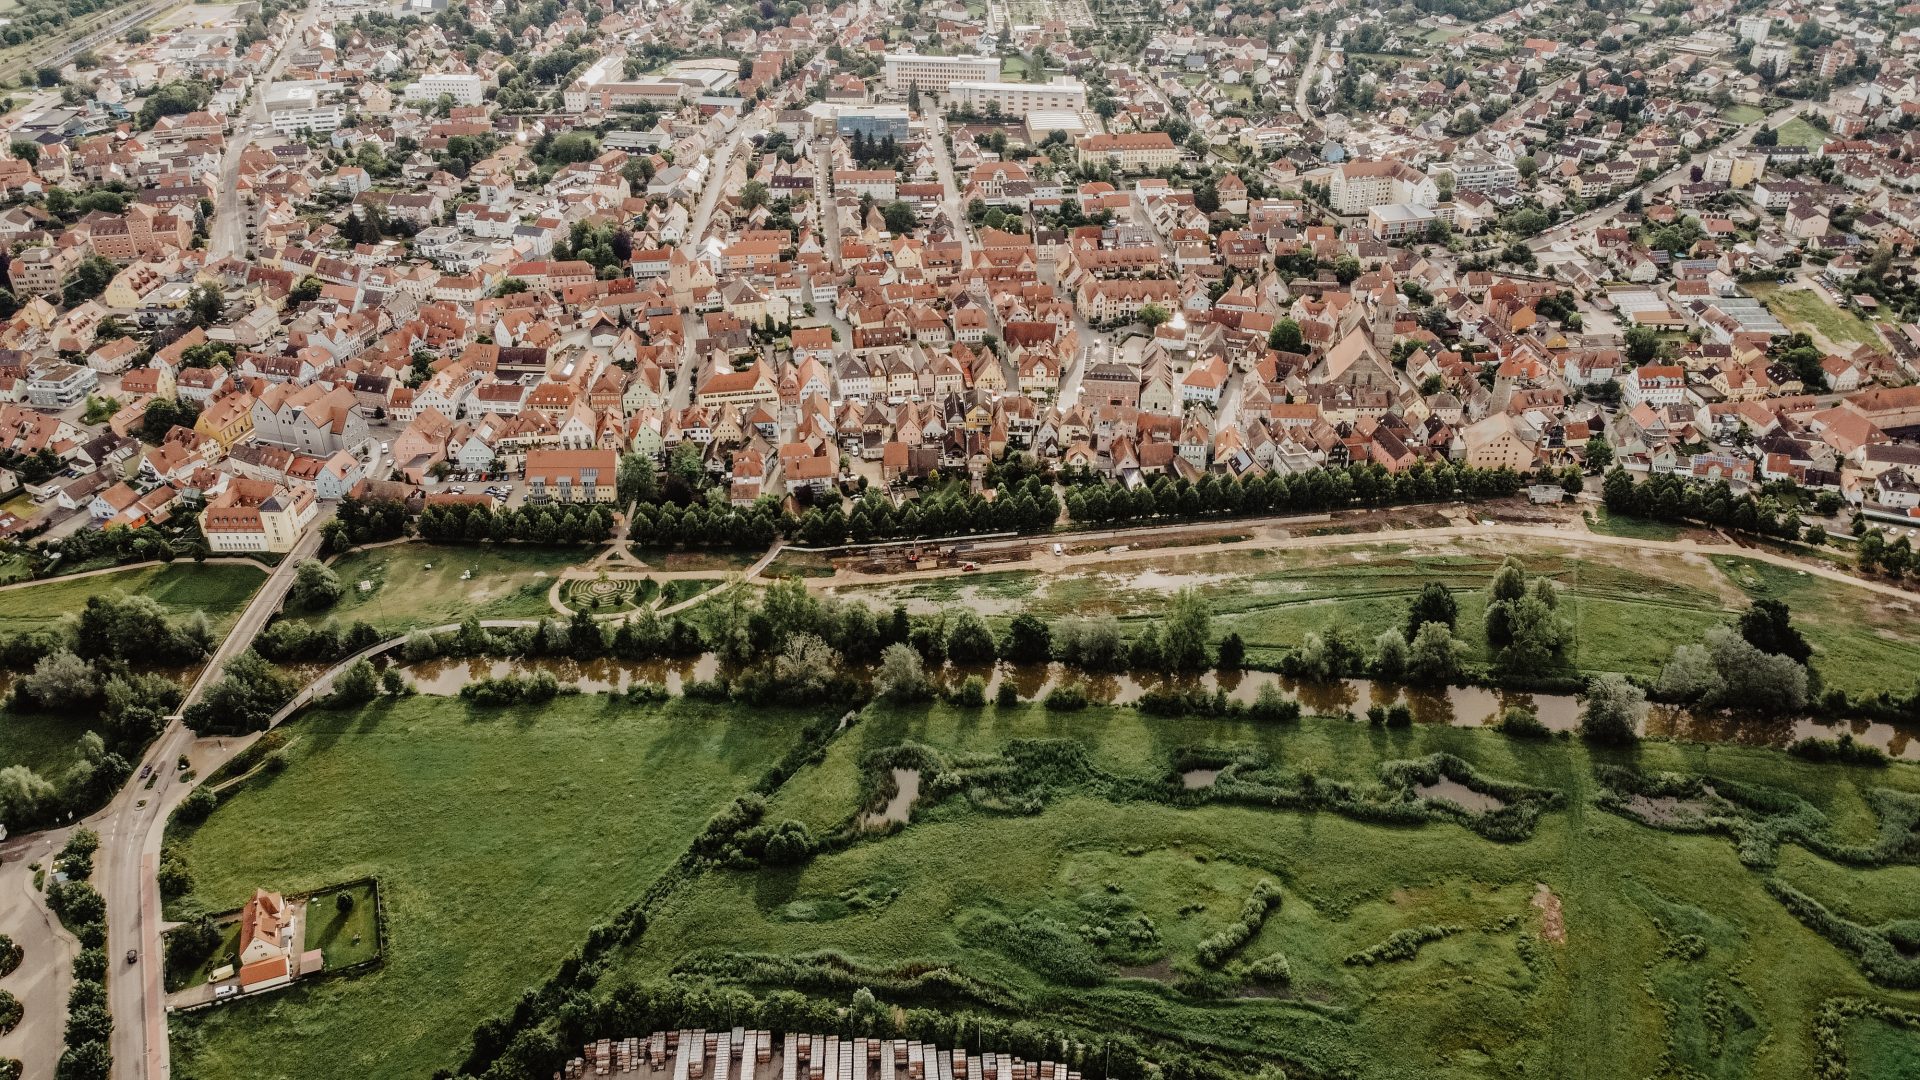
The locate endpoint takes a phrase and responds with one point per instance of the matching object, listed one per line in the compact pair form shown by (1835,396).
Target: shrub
(1069,697)
(972,693)
(1521,722)
(198,805)
(10,1011)
(1402,945)
(1007,696)
(1215,949)
(1844,750)
(1271,968)
(1273,705)
(514,690)
(10,955)
(11,1069)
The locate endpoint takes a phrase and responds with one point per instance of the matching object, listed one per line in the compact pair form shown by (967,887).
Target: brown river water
(1460,706)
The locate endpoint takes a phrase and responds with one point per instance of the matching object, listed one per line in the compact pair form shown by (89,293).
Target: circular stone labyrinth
(601,594)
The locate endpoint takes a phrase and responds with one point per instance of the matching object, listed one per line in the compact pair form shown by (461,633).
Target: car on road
(146,771)
(133,955)
(1059,550)
(225,991)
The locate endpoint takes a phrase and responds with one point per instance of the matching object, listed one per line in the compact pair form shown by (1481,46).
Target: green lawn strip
(402,593)
(1630,986)
(498,838)
(220,591)
(47,743)
(344,937)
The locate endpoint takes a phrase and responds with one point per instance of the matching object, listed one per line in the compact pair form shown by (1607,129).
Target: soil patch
(906,783)
(1553,926)
(1447,789)
(1194,779)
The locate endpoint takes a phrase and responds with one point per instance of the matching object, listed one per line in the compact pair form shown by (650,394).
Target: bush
(1521,722)
(1215,949)
(1402,945)
(10,955)
(1007,696)
(514,690)
(1845,750)
(198,805)
(1271,968)
(972,693)
(1069,697)
(10,1011)
(1273,705)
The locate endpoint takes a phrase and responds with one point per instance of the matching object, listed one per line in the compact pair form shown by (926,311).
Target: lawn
(349,937)
(1741,114)
(1798,132)
(44,742)
(221,591)
(1086,908)
(1806,310)
(419,584)
(498,837)
(1627,608)
(1600,521)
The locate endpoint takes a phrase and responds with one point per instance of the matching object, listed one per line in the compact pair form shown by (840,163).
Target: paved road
(1679,174)
(722,163)
(1305,83)
(949,184)
(131,828)
(227,232)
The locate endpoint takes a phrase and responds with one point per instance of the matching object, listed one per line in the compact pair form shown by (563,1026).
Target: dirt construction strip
(1044,560)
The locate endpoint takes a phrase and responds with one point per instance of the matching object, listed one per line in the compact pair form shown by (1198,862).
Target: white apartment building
(934,74)
(1358,186)
(1476,171)
(462,87)
(1019,98)
(296,107)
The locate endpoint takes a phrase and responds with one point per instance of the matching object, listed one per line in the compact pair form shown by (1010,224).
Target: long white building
(1020,98)
(935,74)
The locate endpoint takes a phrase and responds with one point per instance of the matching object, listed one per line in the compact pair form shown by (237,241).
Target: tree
(968,639)
(1599,454)
(753,195)
(315,586)
(902,675)
(23,794)
(1435,603)
(61,680)
(900,216)
(357,685)
(1536,634)
(87,1061)
(28,152)
(806,667)
(1153,315)
(1643,345)
(1390,655)
(1613,710)
(205,303)
(1183,646)
(1286,337)
(1028,640)
(1768,626)
(1509,584)
(1434,655)
(1232,653)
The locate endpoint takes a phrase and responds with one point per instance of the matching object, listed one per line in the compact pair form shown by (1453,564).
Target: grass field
(1798,132)
(47,743)
(1741,114)
(402,593)
(1627,608)
(1808,311)
(1669,958)
(498,838)
(181,588)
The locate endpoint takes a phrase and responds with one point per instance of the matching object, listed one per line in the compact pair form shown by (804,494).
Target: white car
(225,991)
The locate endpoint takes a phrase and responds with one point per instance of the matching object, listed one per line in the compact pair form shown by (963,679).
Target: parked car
(225,991)
(133,955)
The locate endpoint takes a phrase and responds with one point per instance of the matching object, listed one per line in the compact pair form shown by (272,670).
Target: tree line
(1095,501)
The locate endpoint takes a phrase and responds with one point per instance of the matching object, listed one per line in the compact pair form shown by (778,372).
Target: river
(1460,706)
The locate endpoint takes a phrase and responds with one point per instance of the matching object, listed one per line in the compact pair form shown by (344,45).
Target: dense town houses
(818,261)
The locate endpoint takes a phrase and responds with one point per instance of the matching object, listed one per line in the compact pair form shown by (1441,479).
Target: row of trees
(1218,495)
(574,524)
(1670,497)
(88,1054)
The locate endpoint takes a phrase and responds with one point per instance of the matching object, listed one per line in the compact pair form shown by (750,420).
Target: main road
(131,828)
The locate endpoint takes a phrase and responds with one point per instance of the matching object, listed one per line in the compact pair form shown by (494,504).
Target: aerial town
(744,398)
